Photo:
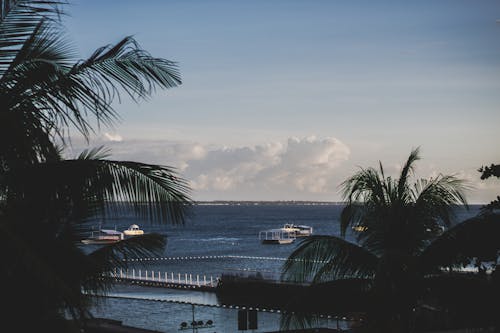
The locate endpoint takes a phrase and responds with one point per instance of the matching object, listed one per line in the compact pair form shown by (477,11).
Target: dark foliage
(407,239)
(491,171)
(46,200)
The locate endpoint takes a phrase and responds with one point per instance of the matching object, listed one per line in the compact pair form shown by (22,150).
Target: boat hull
(277,241)
(103,236)
(100,241)
(133,233)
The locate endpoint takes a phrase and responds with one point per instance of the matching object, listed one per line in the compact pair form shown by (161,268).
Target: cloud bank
(298,168)
(300,165)
(308,168)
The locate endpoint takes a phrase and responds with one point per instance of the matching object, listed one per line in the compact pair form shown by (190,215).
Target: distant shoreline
(270,202)
(278,202)
(264,202)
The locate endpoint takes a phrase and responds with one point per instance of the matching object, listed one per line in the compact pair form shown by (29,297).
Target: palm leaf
(88,187)
(18,20)
(131,67)
(156,192)
(405,173)
(351,215)
(478,237)
(326,258)
(57,95)
(435,199)
(104,260)
(305,309)
(365,186)
(291,321)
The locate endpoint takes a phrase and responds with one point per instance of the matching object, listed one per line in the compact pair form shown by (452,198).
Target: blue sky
(283,100)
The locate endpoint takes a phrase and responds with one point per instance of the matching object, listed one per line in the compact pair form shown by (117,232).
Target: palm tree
(46,200)
(401,243)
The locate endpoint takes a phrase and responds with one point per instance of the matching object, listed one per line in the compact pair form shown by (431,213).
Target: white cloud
(309,168)
(275,170)
(300,165)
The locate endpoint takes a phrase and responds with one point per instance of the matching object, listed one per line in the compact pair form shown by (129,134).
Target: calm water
(216,230)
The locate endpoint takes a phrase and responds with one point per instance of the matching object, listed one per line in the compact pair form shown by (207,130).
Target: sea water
(217,239)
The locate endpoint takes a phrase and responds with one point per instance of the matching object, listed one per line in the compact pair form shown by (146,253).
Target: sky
(283,100)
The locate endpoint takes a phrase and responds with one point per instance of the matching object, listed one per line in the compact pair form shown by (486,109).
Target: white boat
(276,236)
(298,230)
(133,230)
(103,236)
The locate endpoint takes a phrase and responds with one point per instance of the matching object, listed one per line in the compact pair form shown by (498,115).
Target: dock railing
(182,279)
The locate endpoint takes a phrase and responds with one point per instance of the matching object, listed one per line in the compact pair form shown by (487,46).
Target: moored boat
(298,230)
(103,236)
(276,236)
(133,230)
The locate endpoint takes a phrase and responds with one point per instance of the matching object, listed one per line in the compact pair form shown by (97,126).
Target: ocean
(217,239)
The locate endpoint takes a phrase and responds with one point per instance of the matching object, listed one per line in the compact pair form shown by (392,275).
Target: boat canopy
(110,232)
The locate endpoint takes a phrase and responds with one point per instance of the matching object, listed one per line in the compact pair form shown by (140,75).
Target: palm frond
(336,299)
(351,215)
(46,45)
(156,192)
(326,258)
(106,259)
(24,140)
(41,80)
(435,199)
(366,187)
(405,173)
(477,237)
(135,70)
(97,153)
(86,187)
(115,255)
(18,20)
(30,116)
(290,321)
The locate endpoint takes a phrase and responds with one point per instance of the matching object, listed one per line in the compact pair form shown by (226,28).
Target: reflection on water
(164,294)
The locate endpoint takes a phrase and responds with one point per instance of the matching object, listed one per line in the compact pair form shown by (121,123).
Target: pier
(164,279)
(183,280)
(238,290)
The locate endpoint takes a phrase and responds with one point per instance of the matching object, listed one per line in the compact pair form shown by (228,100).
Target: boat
(298,230)
(276,236)
(104,236)
(133,230)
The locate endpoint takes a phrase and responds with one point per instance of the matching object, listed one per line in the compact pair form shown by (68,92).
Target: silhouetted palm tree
(45,200)
(400,244)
